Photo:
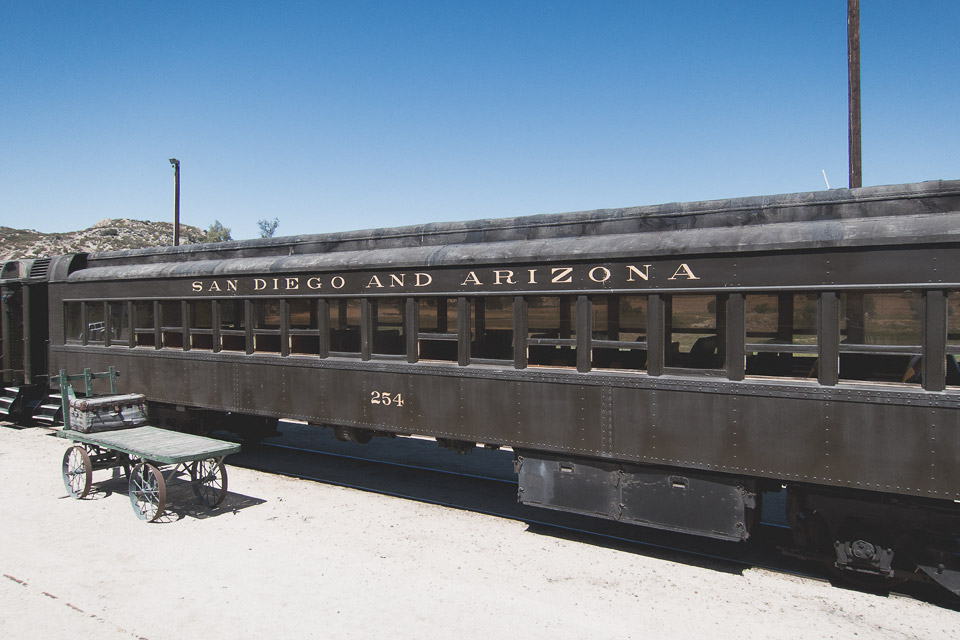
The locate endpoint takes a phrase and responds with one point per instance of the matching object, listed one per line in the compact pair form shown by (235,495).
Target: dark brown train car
(23,336)
(660,365)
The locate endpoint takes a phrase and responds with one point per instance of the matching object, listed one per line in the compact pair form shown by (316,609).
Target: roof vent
(39,268)
(10,270)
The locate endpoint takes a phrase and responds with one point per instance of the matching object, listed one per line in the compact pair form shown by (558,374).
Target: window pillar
(828,339)
(584,333)
(736,337)
(656,329)
(934,340)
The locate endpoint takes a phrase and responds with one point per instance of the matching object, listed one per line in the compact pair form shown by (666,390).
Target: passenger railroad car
(663,365)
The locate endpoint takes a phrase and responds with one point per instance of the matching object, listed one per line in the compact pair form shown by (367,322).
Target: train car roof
(917,213)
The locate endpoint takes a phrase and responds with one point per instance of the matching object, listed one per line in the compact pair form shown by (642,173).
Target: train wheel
(148,492)
(352,434)
(865,553)
(77,471)
(209,479)
(361,436)
(866,581)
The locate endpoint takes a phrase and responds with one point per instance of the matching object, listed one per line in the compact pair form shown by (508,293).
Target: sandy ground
(287,558)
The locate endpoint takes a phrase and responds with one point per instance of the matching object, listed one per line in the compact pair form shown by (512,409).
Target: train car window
(266,315)
(781,336)
(304,327)
(143,324)
(96,324)
(491,328)
(200,313)
(438,315)
(388,335)
(953,339)
(302,314)
(72,321)
(345,326)
(880,336)
(618,325)
(233,336)
(953,319)
(551,331)
(231,315)
(266,326)
(171,324)
(695,332)
(437,337)
(119,324)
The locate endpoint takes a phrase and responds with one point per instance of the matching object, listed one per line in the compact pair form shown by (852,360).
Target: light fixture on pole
(176,201)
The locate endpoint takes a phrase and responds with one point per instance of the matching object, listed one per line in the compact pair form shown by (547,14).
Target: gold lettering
(506,275)
(471,279)
(533,276)
(231,285)
(423,279)
(293,283)
(337,282)
(374,282)
(314,283)
(561,275)
(395,280)
(196,285)
(605,274)
(259,284)
(214,286)
(684,271)
(633,271)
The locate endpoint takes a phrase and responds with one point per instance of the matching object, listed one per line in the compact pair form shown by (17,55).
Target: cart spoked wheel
(148,492)
(209,479)
(77,471)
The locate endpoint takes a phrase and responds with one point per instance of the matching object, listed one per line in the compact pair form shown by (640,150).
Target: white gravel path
(290,558)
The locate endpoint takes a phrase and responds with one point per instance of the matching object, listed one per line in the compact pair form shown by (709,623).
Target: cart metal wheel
(77,471)
(148,492)
(209,481)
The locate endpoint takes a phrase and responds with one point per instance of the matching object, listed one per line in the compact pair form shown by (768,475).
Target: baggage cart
(109,432)
(151,457)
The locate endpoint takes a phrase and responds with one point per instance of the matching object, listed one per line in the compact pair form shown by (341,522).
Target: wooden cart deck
(157,445)
(147,449)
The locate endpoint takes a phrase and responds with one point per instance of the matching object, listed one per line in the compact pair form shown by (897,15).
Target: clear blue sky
(348,115)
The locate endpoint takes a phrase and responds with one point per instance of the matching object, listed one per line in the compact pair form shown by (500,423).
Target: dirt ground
(288,558)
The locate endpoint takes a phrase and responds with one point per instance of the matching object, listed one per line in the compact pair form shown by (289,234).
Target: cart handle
(66,389)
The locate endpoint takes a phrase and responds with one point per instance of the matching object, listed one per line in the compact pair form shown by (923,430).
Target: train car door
(11,333)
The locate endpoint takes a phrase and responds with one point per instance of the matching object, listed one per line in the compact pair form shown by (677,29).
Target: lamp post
(176,201)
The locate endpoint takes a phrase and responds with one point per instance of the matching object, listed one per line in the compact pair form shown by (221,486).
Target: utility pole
(176,201)
(853,81)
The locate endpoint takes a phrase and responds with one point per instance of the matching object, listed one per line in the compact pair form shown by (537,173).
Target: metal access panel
(714,506)
(589,488)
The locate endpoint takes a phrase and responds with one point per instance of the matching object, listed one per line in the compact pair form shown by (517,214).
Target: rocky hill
(106,235)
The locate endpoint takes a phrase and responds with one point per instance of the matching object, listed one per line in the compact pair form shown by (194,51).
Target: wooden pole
(176,201)
(853,76)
